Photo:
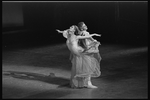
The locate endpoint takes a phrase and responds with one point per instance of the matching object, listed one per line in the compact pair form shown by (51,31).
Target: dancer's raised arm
(96,34)
(88,36)
(65,32)
(59,31)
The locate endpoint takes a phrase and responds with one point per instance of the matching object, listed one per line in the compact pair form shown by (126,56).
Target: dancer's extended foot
(92,87)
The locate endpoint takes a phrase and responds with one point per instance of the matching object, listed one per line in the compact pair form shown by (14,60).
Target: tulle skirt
(84,66)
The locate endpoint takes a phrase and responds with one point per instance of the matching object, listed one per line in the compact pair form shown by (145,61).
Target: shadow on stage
(51,78)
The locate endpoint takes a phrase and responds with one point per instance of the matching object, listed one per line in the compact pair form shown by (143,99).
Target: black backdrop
(118,22)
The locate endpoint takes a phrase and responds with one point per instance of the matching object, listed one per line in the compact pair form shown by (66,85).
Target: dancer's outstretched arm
(65,32)
(97,34)
(88,36)
(59,31)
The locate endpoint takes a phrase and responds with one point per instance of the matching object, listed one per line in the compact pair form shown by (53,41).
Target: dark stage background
(35,23)
(35,58)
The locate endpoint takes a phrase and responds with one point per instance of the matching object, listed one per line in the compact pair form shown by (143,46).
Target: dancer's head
(82,26)
(74,29)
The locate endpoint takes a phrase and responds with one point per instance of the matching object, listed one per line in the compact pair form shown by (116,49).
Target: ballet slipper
(92,87)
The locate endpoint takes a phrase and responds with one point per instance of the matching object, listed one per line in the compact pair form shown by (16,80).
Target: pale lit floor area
(44,73)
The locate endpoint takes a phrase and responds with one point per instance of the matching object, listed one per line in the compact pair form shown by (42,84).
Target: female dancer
(84,64)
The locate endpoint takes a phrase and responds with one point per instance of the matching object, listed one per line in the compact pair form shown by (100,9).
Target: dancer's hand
(96,35)
(59,31)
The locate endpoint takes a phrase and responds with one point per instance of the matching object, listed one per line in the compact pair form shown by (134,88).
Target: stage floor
(44,72)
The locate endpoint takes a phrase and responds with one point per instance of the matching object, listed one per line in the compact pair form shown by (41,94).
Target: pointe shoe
(92,87)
